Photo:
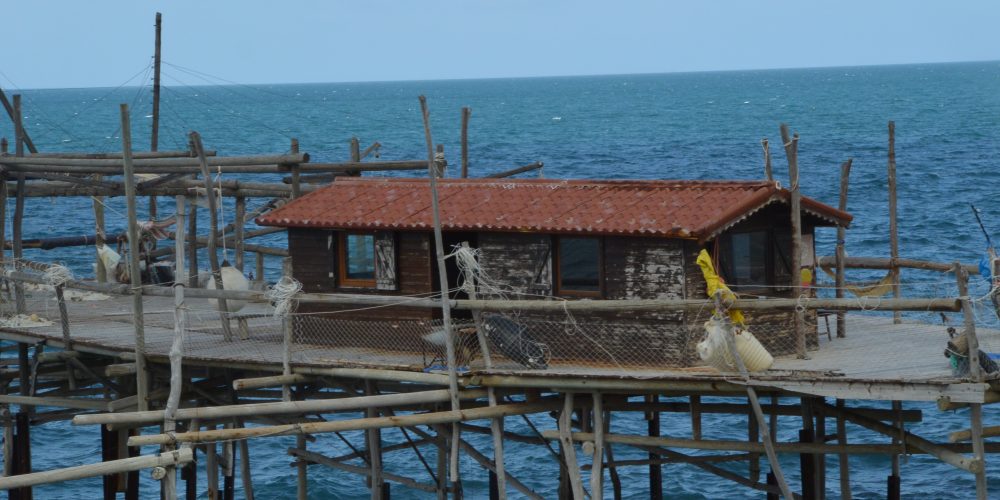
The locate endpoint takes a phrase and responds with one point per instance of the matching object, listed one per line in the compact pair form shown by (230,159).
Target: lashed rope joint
(282,294)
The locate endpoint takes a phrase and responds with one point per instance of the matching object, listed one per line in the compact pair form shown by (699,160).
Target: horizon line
(529,77)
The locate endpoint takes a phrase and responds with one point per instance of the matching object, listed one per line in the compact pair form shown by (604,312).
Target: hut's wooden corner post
(141,377)
(765,432)
(768,172)
(433,172)
(976,372)
(466,113)
(213,235)
(791,144)
(496,424)
(845,174)
(897,316)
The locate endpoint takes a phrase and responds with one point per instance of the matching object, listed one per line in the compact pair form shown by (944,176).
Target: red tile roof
(682,209)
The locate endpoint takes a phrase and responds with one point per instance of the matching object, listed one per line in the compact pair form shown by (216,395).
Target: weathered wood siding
(522,262)
(314,261)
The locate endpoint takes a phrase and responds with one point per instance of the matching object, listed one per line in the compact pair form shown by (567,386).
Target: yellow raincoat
(716,285)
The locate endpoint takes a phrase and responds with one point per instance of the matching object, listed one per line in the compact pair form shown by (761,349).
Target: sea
(706,125)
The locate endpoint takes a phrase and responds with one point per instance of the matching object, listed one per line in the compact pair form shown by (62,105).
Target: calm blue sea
(668,126)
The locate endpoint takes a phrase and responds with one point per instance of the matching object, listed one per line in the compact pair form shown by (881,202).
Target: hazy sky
(72,43)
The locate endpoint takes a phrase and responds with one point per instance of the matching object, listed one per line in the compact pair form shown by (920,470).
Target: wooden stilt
(22,452)
(597,471)
(845,466)
(820,459)
(109,452)
(616,482)
(753,435)
(245,473)
(374,447)
(296,171)
(212,468)
(568,449)
(192,235)
(807,464)
(695,403)
(655,469)
(228,469)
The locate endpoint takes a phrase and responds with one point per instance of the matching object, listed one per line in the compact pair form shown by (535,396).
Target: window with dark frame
(356,260)
(756,259)
(578,266)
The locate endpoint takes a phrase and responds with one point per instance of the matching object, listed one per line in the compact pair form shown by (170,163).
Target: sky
(69,43)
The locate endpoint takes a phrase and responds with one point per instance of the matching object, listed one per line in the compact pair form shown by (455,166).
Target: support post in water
(792,152)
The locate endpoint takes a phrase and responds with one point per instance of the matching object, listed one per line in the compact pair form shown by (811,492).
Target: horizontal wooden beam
(886,263)
(442,417)
(276,408)
(316,458)
(945,305)
(118,155)
(101,165)
(77,403)
(171,458)
(519,170)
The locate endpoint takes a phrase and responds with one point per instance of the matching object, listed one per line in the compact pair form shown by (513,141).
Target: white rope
(282,294)
(57,275)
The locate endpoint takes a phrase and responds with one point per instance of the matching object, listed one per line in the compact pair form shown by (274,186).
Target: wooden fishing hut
(550,239)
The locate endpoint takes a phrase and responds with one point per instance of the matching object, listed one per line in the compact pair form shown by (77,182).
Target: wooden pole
(843,458)
(597,471)
(287,328)
(240,251)
(893,490)
(655,470)
(374,446)
(768,173)
(192,235)
(897,316)
(15,116)
(98,469)
(180,271)
(169,483)
(154,136)
(213,256)
(154,140)
(466,113)
(566,443)
(845,173)
(792,152)
(496,425)
(19,205)
(296,171)
(142,384)
(765,433)
(977,375)
(432,172)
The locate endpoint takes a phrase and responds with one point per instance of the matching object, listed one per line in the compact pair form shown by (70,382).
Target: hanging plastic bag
(714,349)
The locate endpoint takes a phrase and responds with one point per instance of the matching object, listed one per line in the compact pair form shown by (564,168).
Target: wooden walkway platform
(877,359)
